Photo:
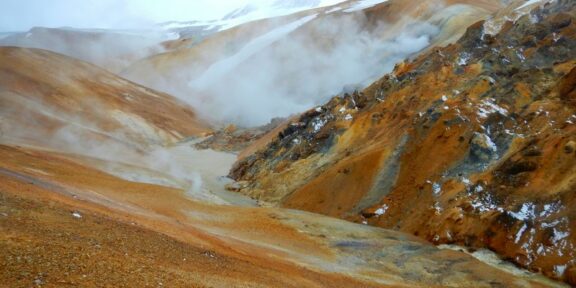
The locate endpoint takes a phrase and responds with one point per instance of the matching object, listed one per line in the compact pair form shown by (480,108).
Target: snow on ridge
(333,9)
(380,211)
(223,66)
(363,4)
(488,107)
(264,10)
(528,3)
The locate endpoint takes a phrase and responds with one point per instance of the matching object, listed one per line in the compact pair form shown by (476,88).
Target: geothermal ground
(309,143)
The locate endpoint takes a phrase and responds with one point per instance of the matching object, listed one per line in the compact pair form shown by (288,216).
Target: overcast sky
(20,15)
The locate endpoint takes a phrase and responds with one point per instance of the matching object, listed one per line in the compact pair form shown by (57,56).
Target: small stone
(532,151)
(236,186)
(570,147)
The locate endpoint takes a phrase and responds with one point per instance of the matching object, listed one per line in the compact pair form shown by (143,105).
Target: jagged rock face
(472,144)
(45,96)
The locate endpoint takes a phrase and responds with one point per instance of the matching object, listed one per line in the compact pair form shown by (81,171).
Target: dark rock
(567,88)
(570,147)
(520,167)
(570,275)
(560,21)
(532,151)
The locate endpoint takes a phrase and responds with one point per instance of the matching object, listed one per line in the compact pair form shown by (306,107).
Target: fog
(120,152)
(293,67)
(287,70)
(299,72)
(111,50)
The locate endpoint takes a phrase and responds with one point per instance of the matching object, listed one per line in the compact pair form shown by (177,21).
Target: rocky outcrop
(472,143)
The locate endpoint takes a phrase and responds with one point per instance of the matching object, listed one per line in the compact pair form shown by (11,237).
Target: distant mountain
(252,11)
(122,47)
(287,4)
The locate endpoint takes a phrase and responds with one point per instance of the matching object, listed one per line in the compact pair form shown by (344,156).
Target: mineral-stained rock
(465,144)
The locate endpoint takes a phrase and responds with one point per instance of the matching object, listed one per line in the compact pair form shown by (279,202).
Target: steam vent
(297,143)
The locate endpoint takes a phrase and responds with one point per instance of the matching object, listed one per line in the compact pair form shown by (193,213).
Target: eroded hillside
(50,100)
(472,144)
(102,183)
(65,223)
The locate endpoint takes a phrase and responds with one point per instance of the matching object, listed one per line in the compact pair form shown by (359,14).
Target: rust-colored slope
(470,144)
(65,223)
(74,93)
(43,244)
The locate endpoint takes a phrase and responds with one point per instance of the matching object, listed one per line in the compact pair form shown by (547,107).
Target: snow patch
(259,10)
(436,188)
(528,3)
(380,211)
(559,270)
(520,233)
(332,10)
(364,4)
(464,58)
(487,107)
(526,212)
(217,71)
(318,123)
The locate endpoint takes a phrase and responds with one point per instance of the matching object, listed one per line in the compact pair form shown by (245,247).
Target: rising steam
(294,67)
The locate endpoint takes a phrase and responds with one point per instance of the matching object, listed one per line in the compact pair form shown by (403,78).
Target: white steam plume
(294,67)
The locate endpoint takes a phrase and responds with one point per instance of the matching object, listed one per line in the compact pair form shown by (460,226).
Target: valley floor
(65,224)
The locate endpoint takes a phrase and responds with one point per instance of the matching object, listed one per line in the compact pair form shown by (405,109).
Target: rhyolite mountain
(425,122)
(472,143)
